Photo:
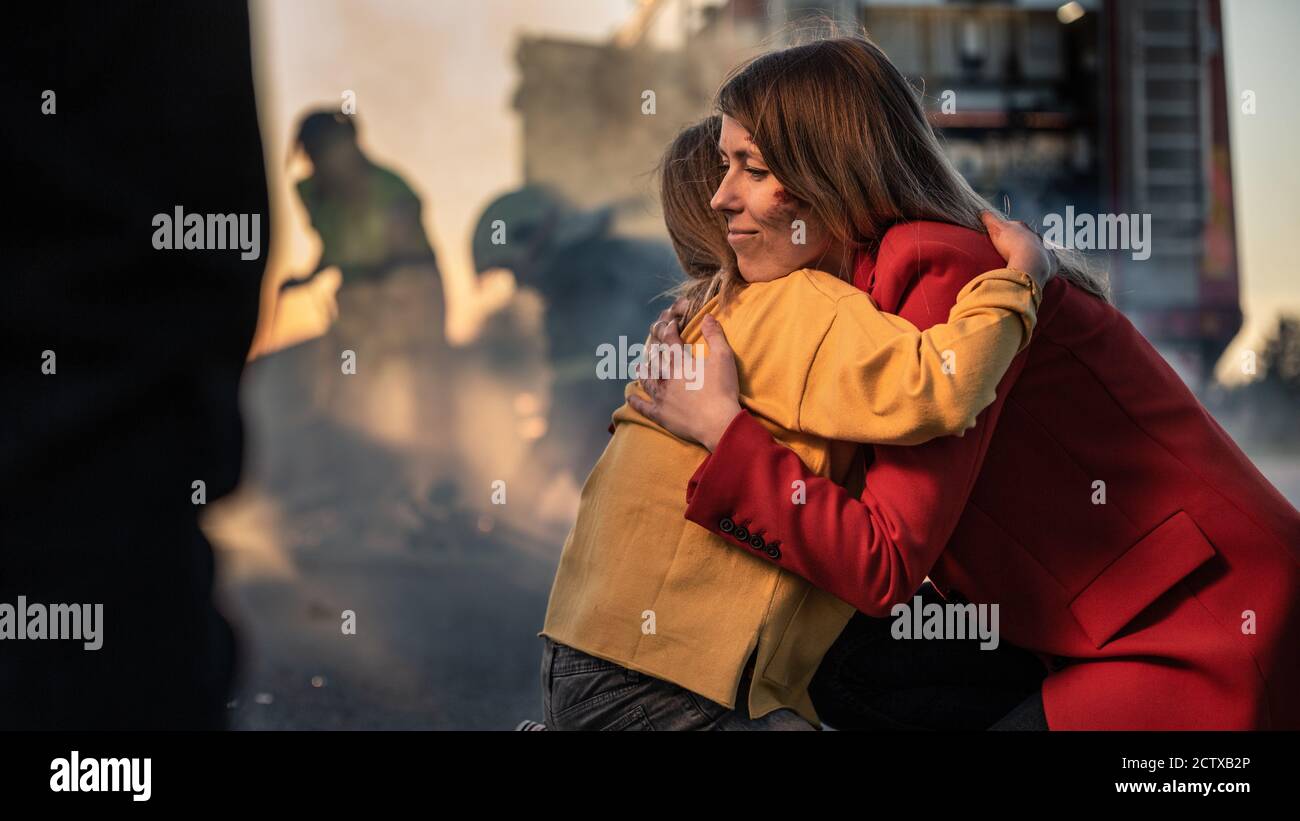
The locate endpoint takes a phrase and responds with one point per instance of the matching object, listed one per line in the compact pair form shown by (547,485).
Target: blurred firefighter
(596,286)
(360,419)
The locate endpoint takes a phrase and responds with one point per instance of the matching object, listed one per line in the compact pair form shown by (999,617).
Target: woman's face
(761,216)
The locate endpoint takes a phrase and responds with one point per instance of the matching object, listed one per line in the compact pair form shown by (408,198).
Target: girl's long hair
(845,133)
(689,173)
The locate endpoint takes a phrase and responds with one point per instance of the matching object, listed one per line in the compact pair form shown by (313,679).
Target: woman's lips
(734,237)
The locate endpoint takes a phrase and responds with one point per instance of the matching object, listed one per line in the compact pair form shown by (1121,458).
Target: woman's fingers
(643,378)
(666,346)
(663,336)
(691,401)
(669,320)
(719,347)
(656,366)
(666,332)
(650,410)
(992,221)
(1020,247)
(665,318)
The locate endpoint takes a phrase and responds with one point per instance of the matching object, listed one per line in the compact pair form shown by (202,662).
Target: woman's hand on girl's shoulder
(1022,249)
(700,402)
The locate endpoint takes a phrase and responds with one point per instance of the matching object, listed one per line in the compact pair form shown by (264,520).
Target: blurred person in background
(595,285)
(357,426)
(368,218)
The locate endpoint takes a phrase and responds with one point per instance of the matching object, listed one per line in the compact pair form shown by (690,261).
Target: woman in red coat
(1128,542)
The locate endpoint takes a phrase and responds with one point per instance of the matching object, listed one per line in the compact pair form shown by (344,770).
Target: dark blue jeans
(582,692)
(871,681)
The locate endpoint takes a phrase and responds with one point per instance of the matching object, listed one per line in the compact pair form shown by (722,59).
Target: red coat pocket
(1140,575)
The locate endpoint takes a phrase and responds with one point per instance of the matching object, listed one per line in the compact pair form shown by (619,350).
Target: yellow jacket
(822,369)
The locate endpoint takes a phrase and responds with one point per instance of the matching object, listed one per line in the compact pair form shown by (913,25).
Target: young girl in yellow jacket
(636,615)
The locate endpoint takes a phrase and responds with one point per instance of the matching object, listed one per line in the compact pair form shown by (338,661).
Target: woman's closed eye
(756,174)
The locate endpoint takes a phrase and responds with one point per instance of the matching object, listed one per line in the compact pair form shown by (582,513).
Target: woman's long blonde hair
(846,134)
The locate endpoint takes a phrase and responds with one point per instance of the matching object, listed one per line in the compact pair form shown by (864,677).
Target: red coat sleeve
(873,551)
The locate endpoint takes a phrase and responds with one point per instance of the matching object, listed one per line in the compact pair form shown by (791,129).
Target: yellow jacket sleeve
(876,378)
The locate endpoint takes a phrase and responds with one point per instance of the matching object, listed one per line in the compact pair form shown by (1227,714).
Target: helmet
(534,221)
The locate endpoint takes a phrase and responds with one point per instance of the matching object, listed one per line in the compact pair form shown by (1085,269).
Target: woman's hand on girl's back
(697,409)
(1020,247)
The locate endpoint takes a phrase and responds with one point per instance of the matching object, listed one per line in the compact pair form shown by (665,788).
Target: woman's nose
(724,199)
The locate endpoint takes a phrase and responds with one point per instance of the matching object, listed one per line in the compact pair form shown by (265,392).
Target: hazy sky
(1262,42)
(434,80)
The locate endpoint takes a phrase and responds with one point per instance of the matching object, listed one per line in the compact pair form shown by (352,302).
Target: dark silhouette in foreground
(103,438)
